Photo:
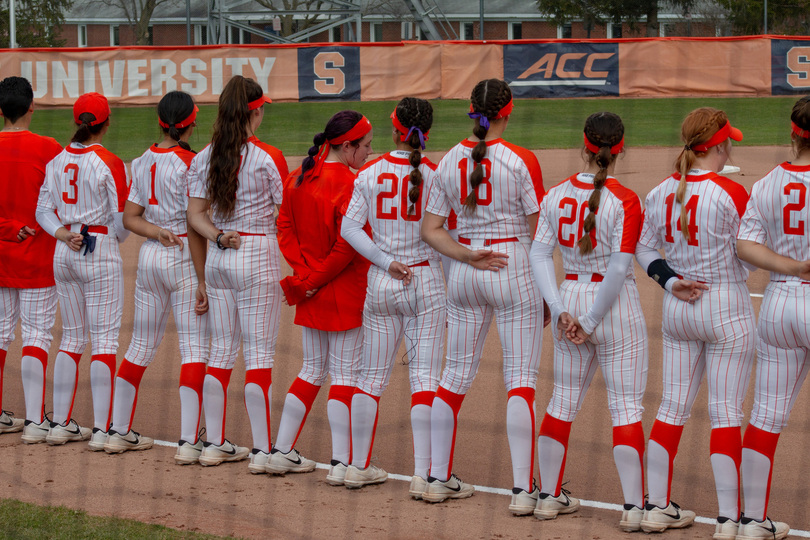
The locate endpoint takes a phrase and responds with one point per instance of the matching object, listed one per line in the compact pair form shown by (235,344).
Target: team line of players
(365,249)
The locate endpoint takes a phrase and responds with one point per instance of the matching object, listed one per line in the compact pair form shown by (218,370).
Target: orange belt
(94,229)
(423,263)
(240,233)
(595,278)
(488,242)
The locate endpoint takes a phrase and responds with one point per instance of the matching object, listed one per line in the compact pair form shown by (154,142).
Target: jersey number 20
(570,215)
(398,186)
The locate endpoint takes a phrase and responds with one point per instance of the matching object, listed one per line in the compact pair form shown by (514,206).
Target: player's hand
(564,323)
(169,239)
(802,270)
(201,300)
(72,239)
(576,334)
(400,271)
(25,232)
(688,290)
(486,259)
(231,239)
(311,293)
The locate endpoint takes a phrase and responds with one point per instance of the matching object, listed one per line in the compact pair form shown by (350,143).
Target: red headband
(722,134)
(803,133)
(615,149)
(406,133)
(185,123)
(360,129)
(484,121)
(256,103)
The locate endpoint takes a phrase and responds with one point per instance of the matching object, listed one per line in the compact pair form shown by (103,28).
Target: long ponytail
(416,116)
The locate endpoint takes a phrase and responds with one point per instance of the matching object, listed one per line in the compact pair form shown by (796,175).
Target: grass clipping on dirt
(22,521)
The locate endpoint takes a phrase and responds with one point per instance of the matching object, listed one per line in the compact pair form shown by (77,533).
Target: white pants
(35,309)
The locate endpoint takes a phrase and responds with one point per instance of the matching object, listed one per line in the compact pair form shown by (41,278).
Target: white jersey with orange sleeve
(510,191)
(776,214)
(562,216)
(261,165)
(164,203)
(381,197)
(714,208)
(85,185)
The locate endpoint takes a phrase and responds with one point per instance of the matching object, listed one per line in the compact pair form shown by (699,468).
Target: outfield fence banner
(648,67)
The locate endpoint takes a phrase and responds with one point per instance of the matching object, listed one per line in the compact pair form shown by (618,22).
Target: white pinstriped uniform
(716,333)
(81,187)
(392,309)
(243,289)
(165,275)
(619,342)
(505,198)
(776,216)
(36,311)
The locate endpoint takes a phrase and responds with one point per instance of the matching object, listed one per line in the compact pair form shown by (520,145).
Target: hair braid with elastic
(605,130)
(800,115)
(415,112)
(488,97)
(697,128)
(230,134)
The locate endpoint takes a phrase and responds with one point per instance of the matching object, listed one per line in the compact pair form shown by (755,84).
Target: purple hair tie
(419,133)
(482,119)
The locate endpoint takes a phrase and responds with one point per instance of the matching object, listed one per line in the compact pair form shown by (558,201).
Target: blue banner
(790,67)
(562,69)
(326,73)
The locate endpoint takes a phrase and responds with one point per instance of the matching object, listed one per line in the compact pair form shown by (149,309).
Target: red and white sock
(297,405)
(364,411)
(443,424)
(628,454)
(338,410)
(33,367)
(258,390)
(126,395)
(102,369)
(759,447)
(215,401)
(661,451)
(552,449)
(421,403)
(520,411)
(192,376)
(3,354)
(65,377)
(726,455)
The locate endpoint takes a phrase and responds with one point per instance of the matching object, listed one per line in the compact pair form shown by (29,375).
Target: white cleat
(34,433)
(357,478)
(631,518)
(188,453)
(524,502)
(751,529)
(214,454)
(9,424)
(117,443)
(453,488)
(417,487)
(291,462)
(658,519)
(548,506)
(98,440)
(258,461)
(68,432)
(337,473)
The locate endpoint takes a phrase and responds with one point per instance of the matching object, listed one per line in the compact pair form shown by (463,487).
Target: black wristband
(219,244)
(661,272)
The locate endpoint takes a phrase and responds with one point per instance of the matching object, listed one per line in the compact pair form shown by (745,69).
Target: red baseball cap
(93,103)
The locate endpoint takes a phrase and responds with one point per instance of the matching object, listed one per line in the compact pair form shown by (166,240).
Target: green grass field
(536,124)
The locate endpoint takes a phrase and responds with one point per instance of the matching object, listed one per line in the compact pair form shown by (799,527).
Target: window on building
(82,38)
(150,40)
(406,31)
(564,31)
(615,31)
(115,35)
(375,32)
(335,34)
(467,30)
(516,30)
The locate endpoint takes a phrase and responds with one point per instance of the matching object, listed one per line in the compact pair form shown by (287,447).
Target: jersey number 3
(71,194)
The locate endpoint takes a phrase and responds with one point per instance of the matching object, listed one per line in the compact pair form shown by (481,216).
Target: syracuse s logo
(798,62)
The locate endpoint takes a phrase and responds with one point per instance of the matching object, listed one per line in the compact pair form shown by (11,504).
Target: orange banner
(695,67)
(391,73)
(137,76)
(464,64)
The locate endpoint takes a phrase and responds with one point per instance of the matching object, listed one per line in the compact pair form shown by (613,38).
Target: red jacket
(24,155)
(309,238)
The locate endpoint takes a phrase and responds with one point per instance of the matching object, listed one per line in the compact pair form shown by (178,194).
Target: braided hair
(418,113)
(173,108)
(340,123)
(698,127)
(605,130)
(801,117)
(488,98)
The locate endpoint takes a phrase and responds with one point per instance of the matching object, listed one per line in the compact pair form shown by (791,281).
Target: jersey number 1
(691,211)
(152,198)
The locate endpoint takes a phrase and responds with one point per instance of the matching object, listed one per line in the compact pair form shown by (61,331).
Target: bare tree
(289,23)
(139,15)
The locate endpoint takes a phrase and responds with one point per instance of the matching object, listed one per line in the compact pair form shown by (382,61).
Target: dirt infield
(148,486)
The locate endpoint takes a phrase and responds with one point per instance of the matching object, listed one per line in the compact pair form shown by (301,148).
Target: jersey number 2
(71,194)
(797,206)
(398,186)
(691,211)
(571,216)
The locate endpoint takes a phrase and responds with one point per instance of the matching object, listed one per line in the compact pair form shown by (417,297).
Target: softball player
(240,179)
(773,236)
(86,185)
(168,276)
(694,215)
(405,294)
(27,288)
(596,222)
(494,187)
(327,288)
